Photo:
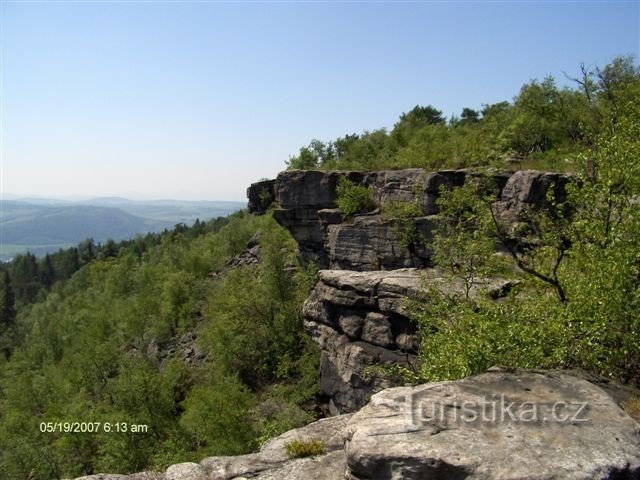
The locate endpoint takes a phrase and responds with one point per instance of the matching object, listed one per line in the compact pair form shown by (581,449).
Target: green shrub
(403,213)
(580,279)
(354,198)
(301,448)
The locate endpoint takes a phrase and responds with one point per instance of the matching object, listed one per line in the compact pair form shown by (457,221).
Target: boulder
(133,476)
(529,191)
(504,424)
(186,471)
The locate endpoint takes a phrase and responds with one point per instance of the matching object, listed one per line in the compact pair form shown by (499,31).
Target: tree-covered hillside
(202,355)
(544,127)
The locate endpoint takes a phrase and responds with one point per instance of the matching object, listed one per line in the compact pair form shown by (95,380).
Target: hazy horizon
(196,100)
(128,196)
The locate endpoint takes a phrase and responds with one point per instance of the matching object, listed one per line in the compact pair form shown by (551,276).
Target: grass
(632,407)
(302,449)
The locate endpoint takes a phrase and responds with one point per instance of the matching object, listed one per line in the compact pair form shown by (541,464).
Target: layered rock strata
(360,322)
(307,207)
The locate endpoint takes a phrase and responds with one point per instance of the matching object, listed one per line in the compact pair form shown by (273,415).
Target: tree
(7,314)
(47,272)
(313,156)
(414,120)
(108,250)
(87,251)
(25,275)
(469,116)
(461,243)
(578,298)
(614,83)
(536,123)
(66,262)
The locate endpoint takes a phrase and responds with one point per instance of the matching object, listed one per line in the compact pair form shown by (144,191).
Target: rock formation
(355,313)
(307,208)
(359,320)
(498,425)
(504,424)
(261,195)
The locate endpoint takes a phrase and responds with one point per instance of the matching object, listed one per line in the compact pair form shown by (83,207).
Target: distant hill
(44,227)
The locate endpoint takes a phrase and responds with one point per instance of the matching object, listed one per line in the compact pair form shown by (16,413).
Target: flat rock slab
(504,425)
(271,462)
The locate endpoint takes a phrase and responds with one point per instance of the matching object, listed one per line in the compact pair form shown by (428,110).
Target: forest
(183,333)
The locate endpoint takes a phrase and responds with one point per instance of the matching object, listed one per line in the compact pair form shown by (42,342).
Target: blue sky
(196,100)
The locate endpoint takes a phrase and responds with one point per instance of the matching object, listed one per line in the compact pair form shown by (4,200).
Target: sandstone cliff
(306,206)
(356,311)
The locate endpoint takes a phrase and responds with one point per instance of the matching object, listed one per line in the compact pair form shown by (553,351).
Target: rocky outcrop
(359,320)
(527,191)
(499,425)
(504,424)
(261,196)
(307,208)
(249,256)
(270,463)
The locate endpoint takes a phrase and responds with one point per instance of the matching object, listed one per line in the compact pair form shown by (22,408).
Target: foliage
(32,278)
(403,214)
(579,269)
(353,198)
(162,335)
(7,315)
(462,244)
(544,126)
(301,448)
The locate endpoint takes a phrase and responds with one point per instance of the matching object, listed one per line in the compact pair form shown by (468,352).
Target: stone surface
(359,321)
(103,476)
(368,242)
(308,209)
(249,256)
(272,462)
(133,476)
(186,471)
(526,192)
(261,196)
(428,432)
(505,424)
(181,347)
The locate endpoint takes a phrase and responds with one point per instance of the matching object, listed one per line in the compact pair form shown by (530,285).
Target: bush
(580,292)
(354,198)
(403,213)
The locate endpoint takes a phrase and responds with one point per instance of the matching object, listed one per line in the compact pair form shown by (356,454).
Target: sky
(195,100)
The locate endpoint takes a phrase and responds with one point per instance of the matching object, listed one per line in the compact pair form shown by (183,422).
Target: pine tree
(7,314)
